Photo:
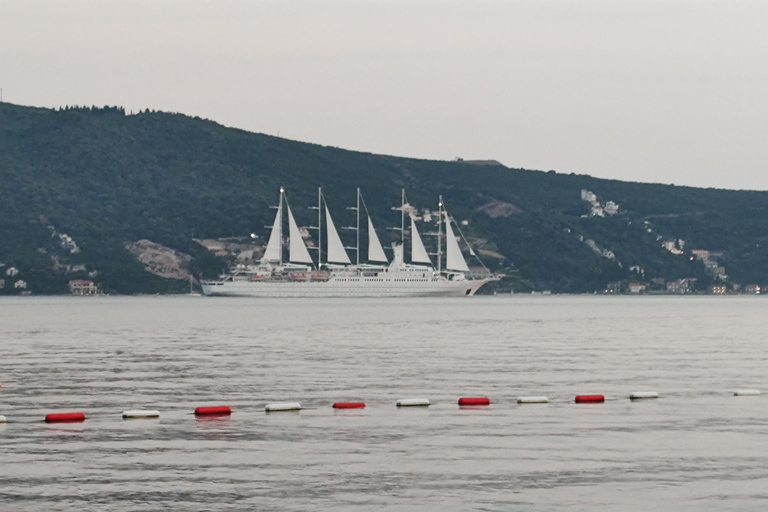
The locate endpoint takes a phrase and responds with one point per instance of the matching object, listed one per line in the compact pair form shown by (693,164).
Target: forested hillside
(80,184)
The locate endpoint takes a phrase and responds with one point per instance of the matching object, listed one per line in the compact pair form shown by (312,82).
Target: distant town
(642,284)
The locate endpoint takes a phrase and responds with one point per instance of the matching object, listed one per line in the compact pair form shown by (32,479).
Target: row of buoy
(472,401)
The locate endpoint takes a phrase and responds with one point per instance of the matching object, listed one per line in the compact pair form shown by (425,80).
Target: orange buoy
(64,417)
(475,400)
(590,399)
(217,409)
(349,405)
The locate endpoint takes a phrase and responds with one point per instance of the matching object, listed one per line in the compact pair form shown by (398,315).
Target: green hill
(107,179)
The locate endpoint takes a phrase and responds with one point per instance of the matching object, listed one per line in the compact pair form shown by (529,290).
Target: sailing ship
(301,276)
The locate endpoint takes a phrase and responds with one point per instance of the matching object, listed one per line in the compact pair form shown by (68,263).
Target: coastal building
(636,288)
(700,254)
(611,208)
(717,289)
(20,285)
(12,271)
(681,286)
(613,288)
(671,246)
(752,289)
(588,196)
(82,287)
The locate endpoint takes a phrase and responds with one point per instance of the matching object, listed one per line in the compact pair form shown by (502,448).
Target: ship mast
(401,229)
(402,216)
(356,229)
(279,223)
(319,209)
(439,234)
(280,231)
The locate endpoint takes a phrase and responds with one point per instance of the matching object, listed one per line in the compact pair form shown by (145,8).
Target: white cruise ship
(301,276)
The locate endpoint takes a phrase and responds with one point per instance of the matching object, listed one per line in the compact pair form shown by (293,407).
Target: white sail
(297,251)
(375,250)
(336,252)
(418,252)
(274,250)
(454,259)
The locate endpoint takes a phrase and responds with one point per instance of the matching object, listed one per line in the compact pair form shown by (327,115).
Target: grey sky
(662,91)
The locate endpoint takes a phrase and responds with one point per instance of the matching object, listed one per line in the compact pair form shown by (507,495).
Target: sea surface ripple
(695,448)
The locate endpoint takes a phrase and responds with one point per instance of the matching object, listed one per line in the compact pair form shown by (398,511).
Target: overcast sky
(658,91)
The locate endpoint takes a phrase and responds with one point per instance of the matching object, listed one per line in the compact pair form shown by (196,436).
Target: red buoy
(476,400)
(218,409)
(590,399)
(65,417)
(349,405)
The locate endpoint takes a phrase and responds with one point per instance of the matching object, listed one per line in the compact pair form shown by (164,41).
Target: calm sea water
(696,448)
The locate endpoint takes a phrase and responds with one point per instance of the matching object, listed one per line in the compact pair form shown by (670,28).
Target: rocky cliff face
(161,261)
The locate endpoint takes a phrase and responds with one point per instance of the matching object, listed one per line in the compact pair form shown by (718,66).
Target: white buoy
(140,415)
(746,392)
(533,400)
(283,406)
(2,419)
(637,395)
(413,402)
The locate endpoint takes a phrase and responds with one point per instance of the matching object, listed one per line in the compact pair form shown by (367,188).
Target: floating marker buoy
(282,406)
(349,405)
(139,415)
(638,395)
(218,409)
(2,419)
(413,402)
(65,417)
(590,399)
(533,400)
(474,400)
(746,392)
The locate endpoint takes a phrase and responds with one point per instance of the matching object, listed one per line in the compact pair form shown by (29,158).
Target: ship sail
(336,252)
(274,250)
(454,259)
(418,252)
(375,250)
(297,251)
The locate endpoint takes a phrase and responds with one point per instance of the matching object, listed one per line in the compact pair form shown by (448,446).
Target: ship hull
(348,288)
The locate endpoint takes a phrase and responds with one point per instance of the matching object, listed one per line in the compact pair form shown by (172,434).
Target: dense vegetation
(106,178)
